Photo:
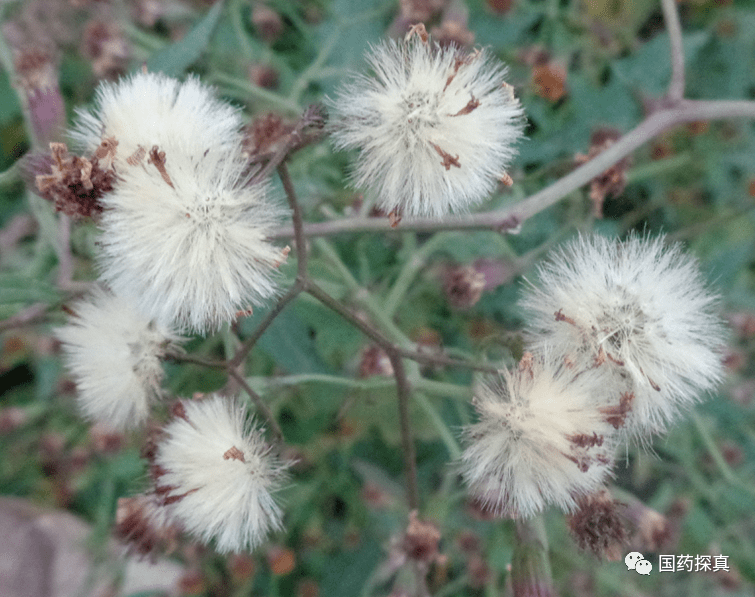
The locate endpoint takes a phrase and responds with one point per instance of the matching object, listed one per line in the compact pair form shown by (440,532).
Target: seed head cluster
(436,127)
(215,475)
(184,232)
(623,337)
(183,247)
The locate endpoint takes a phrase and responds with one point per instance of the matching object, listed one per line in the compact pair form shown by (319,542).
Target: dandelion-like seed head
(148,109)
(541,439)
(187,241)
(113,353)
(436,127)
(216,475)
(638,309)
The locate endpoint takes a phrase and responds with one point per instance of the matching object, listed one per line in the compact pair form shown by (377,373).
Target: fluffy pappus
(638,310)
(113,354)
(436,127)
(184,237)
(148,109)
(541,439)
(216,475)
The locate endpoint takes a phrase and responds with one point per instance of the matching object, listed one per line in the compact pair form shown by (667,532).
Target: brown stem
(249,343)
(403,391)
(30,314)
(671,15)
(296,218)
(366,328)
(301,269)
(510,218)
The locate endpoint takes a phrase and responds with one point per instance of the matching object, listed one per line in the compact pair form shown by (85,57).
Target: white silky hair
(540,440)
(412,109)
(643,305)
(194,252)
(113,353)
(147,109)
(184,230)
(223,499)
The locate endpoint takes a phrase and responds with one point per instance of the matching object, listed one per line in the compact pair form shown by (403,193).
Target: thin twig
(511,218)
(403,391)
(675,91)
(28,315)
(249,343)
(363,326)
(301,268)
(262,407)
(298,223)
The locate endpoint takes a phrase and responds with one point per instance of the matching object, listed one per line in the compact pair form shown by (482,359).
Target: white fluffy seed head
(113,354)
(217,476)
(147,109)
(541,439)
(192,252)
(436,127)
(640,311)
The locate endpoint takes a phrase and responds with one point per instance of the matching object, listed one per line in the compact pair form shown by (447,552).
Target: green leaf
(649,70)
(348,571)
(15,288)
(177,57)
(288,342)
(10,107)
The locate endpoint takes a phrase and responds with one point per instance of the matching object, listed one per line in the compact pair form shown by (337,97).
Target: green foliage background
(694,184)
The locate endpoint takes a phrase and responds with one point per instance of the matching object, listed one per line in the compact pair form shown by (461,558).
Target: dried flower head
(598,526)
(144,525)
(113,353)
(637,310)
(611,181)
(436,126)
(541,439)
(463,285)
(75,183)
(216,475)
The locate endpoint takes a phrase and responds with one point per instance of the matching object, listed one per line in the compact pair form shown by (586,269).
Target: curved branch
(671,15)
(511,218)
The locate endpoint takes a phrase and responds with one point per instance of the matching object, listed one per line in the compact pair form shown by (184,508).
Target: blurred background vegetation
(580,67)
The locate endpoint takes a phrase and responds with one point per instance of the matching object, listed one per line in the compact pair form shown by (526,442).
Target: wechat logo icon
(637,562)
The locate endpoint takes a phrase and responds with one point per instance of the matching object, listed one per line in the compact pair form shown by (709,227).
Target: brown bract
(76,183)
(598,526)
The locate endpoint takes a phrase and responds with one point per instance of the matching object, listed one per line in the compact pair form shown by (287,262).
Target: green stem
(446,436)
(658,167)
(238,28)
(270,97)
(716,455)
(310,74)
(151,43)
(411,267)
(441,388)
(372,383)
(10,176)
